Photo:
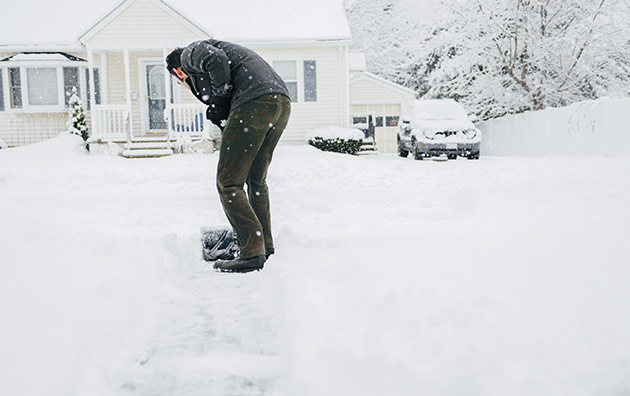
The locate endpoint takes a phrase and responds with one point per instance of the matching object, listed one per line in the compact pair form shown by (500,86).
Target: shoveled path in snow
(215,339)
(504,276)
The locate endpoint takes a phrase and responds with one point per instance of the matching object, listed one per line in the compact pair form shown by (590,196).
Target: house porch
(140,107)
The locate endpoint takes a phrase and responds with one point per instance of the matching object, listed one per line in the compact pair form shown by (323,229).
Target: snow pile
(391,277)
(402,277)
(333,132)
(3,145)
(63,147)
(598,127)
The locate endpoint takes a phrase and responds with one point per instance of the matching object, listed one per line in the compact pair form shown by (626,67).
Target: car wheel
(401,151)
(452,156)
(417,155)
(473,156)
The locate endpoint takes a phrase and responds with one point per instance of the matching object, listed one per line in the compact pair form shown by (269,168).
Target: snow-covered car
(437,127)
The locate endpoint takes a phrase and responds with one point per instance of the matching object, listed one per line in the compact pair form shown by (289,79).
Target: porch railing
(189,120)
(112,121)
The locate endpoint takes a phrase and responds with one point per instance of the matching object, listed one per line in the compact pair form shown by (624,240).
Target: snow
(503,276)
(31,22)
(40,57)
(436,109)
(3,145)
(598,127)
(333,132)
(283,20)
(357,61)
(65,20)
(430,117)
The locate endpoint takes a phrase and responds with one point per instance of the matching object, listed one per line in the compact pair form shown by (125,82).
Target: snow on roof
(43,57)
(357,61)
(41,22)
(59,23)
(256,20)
(438,109)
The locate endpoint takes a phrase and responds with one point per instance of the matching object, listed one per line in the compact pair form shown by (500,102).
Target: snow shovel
(219,243)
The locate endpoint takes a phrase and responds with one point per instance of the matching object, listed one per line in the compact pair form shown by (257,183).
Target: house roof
(367,76)
(59,24)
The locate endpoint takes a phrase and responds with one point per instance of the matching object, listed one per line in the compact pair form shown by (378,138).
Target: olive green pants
(249,138)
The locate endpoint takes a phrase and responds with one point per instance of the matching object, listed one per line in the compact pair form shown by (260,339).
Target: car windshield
(446,110)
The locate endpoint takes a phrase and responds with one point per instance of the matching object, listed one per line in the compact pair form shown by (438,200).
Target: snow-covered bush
(336,139)
(498,56)
(77,122)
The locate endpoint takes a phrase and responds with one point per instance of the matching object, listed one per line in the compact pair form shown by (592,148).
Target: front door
(156,96)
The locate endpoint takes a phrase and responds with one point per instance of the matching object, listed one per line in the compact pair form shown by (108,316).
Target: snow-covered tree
(498,56)
(390,32)
(77,122)
(507,56)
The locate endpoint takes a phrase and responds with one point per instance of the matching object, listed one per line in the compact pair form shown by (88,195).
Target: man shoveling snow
(250,103)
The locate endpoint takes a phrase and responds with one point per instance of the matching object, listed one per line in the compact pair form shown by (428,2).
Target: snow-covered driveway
(504,276)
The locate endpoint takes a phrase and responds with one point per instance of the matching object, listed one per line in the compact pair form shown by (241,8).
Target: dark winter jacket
(229,70)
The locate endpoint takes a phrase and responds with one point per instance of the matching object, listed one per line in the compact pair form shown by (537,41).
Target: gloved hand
(218,110)
(218,123)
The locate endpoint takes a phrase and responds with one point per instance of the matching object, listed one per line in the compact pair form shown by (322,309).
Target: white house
(119,49)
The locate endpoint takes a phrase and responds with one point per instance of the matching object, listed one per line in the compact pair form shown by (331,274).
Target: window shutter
(15,88)
(310,81)
(97,83)
(70,80)
(1,92)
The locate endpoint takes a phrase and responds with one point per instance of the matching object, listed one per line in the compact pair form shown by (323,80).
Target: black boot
(269,251)
(255,263)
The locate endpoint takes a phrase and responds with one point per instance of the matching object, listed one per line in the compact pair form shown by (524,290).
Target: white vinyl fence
(600,127)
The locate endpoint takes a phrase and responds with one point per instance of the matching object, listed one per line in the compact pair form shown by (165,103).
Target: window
(359,120)
(45,88)
(379,121)
(310,81)
(1,92)
(42,86)
(70,81)
(97,83)
(288,71)
(15,88)
(391,121)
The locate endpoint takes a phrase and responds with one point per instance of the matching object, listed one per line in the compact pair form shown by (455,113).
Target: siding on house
(332,85)
(327,110)
(144,20)
(368,91)
(117,87)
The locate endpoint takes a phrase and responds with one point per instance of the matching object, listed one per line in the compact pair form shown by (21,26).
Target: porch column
(167,108)
(92,91)
(104,79)
(128,89)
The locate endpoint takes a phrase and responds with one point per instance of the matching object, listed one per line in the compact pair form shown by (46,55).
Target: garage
(374,100)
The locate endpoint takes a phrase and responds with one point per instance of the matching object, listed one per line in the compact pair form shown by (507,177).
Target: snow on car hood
(456,130)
